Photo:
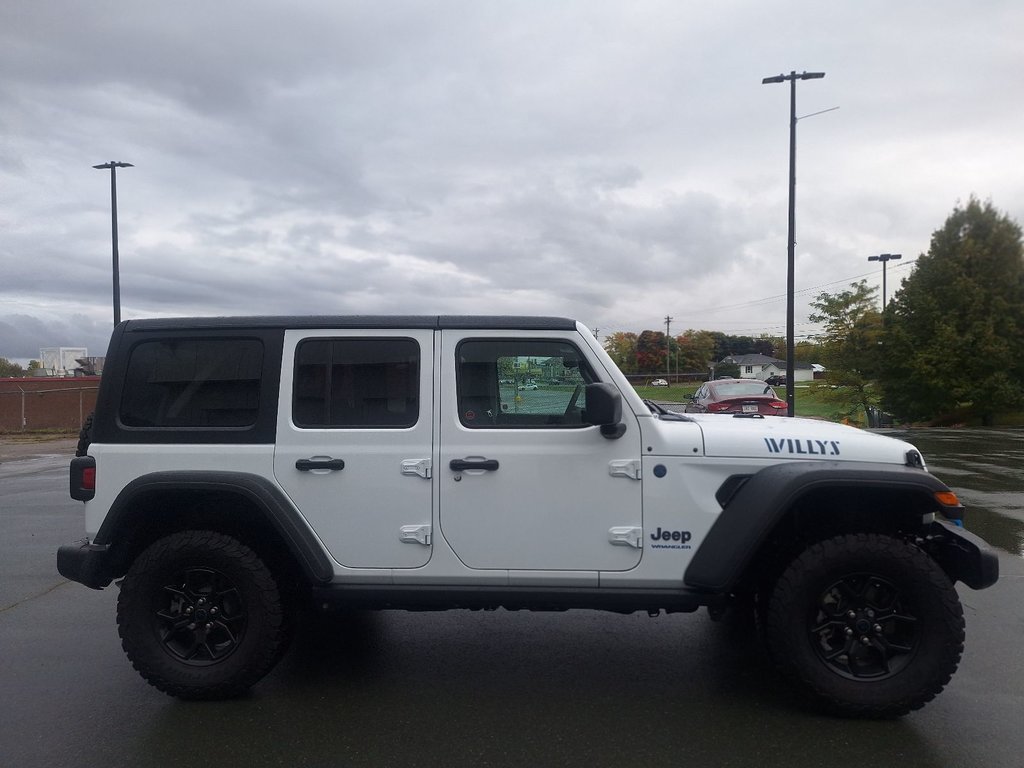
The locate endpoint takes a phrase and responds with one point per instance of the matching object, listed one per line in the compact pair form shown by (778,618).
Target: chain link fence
(64,409)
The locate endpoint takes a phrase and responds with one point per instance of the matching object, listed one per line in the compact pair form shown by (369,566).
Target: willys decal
(800,447)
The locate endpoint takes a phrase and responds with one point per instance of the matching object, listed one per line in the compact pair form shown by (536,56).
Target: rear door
(354,442)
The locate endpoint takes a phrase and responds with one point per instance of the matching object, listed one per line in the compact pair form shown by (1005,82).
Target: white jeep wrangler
(238,469)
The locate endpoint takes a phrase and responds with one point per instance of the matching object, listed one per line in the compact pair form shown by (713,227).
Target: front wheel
(200,616)
(869,624)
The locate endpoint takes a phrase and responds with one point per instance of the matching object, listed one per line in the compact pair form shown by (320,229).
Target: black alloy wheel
(867,624)
(201,616)
(864,628)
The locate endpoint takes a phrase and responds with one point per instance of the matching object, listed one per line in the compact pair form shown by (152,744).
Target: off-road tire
(85,436)
(868,624)
(200,616)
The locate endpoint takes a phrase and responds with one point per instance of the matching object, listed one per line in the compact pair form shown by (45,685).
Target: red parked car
(736,396)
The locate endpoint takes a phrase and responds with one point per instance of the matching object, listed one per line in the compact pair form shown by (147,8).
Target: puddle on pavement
(985,467)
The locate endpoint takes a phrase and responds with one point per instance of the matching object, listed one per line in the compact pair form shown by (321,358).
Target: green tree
(621,347)
(726,345)
(9,369)
(954,333)
(769,346)
(848,347)
(695,350)
(806,352)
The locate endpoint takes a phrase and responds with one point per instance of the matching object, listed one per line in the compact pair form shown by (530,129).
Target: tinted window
(356,383)
(193,383)
(521,383)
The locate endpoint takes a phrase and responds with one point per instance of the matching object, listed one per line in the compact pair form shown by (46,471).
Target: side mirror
(604,409)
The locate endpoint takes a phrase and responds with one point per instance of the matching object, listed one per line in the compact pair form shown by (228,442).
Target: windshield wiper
(664,412)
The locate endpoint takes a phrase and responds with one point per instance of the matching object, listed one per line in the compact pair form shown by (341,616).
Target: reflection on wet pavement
(985,467)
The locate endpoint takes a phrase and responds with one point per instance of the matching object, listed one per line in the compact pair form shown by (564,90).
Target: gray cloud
(612,162)
(22,336)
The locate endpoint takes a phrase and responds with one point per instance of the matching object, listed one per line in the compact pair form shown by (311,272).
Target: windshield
(742,388)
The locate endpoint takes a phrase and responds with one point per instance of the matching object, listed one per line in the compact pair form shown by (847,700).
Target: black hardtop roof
(484,322)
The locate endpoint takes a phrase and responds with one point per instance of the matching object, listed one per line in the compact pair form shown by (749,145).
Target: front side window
(356,383)
(208,383)
(521,383)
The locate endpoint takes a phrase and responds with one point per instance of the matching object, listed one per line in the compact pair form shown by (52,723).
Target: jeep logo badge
(671,539)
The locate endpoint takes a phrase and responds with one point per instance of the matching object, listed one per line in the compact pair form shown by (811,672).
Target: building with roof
(762,366)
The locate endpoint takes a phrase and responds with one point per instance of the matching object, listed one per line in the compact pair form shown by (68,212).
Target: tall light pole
(792,77)
(113,166)
(668,346)
(885,258)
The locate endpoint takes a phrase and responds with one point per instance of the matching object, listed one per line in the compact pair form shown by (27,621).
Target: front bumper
(86,563)
(962,555)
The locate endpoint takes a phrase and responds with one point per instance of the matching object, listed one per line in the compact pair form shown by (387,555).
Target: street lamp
(668,346)
(113,166)
(885,258)
(792,77)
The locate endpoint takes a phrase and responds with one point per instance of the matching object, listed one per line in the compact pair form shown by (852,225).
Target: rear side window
(208,383)
(356,383)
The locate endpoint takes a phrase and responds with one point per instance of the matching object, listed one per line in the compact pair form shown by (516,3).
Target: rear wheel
(869,624)
(200,616)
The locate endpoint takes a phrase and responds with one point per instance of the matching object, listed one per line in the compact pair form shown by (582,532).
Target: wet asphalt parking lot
(491,688)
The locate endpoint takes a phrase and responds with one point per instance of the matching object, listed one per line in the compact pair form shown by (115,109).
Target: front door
(525,484)
(354,442)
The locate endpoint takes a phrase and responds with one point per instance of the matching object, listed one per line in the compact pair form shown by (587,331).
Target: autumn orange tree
(651,354)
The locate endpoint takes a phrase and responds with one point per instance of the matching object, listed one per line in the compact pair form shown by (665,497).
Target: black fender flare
(753,507)
(270,501)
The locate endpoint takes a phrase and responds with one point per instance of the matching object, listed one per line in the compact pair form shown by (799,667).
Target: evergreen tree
(954,333)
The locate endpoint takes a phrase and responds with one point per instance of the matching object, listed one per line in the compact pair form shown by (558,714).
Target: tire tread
(132,627)
(911,560)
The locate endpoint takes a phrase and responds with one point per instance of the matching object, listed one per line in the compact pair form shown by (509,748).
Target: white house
(762,366)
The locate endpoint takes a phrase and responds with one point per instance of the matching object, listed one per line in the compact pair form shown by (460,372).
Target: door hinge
(629,468)
(626,536)
(415,534)
(421,467)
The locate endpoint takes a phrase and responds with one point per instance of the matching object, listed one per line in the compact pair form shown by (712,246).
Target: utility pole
(668,345)
(113,166)
(885,258)
(792,77)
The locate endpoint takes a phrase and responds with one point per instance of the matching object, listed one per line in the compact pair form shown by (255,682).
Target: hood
(783,438)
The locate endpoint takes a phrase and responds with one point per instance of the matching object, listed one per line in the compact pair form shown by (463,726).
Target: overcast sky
(615,162)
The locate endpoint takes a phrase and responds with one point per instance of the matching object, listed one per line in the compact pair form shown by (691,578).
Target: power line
(760,328)
(771,325)
(800,292)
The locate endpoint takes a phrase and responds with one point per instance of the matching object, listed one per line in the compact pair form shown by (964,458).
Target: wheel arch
(245,506)
(769,516)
